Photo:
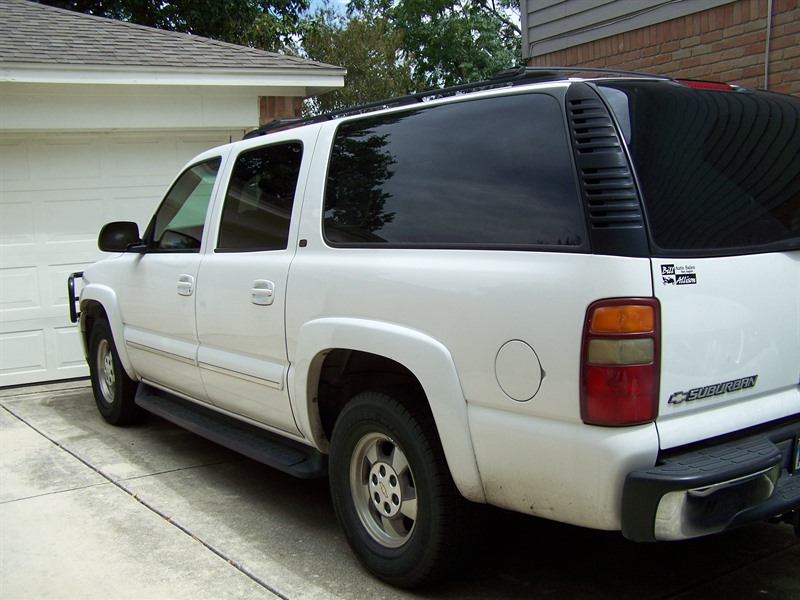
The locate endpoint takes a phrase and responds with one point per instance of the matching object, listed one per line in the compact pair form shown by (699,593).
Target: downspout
(766,46)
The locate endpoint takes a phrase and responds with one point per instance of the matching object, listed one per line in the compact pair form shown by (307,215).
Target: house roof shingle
(32,33)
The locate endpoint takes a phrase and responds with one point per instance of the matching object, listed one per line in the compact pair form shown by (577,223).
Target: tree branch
(503,17)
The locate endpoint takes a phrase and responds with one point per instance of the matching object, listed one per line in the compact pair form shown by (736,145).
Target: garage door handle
(185,285)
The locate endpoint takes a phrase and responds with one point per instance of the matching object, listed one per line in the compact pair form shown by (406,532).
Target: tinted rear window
(719,170)
(492,173)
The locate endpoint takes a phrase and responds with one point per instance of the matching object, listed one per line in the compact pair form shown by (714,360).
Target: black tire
(392,491)
(114,391)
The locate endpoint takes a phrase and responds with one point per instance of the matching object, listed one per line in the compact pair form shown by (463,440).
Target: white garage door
(56,192)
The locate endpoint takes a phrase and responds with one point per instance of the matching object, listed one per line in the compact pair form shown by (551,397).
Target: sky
(341,4)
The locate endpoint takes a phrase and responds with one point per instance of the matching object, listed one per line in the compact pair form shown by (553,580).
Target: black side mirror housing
(119,236)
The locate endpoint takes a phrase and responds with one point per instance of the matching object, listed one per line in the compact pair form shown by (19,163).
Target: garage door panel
(16,222)
(139,160)
(135,205)
(27,295)
(69,350)
(14,160)
(41,354)
(23,354)
(19,291)
(68,158)
(71,219)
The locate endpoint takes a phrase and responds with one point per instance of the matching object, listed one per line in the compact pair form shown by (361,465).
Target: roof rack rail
(514,76)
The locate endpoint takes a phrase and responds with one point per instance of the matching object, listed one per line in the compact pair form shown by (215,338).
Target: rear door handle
(263,292)
(185,285)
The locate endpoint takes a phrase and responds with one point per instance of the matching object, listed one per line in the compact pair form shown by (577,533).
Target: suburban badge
(717,389)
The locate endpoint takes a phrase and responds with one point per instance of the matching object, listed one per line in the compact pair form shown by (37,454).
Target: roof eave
(314,80)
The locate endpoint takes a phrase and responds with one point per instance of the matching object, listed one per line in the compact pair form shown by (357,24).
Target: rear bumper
(713,488)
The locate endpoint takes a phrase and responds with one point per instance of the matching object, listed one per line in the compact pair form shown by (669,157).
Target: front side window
(485,173)
(258,204)
(178,223)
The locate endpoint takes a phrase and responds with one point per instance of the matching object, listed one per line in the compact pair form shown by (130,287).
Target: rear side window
(483,173)
(258,204)
(719,170)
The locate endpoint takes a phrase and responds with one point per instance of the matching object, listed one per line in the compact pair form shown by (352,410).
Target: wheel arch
(100,302)
(406,357)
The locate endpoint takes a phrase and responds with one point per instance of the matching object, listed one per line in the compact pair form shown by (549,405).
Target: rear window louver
(609,194)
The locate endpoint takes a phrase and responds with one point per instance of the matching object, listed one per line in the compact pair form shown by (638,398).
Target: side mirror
(119,236)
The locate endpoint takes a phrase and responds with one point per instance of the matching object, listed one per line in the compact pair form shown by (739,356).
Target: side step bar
(265,447)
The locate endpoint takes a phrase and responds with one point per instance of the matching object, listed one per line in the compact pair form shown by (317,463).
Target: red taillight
(705,85)
(620,362)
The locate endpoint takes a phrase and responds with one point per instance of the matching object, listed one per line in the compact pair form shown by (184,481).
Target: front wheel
(113,390)
(392,491)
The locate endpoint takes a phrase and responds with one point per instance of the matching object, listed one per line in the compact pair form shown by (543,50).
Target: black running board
(265,447)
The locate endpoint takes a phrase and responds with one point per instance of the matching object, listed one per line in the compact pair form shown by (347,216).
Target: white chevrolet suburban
(574,298)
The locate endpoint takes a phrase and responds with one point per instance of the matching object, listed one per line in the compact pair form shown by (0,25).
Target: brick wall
(725,44)
(278,107)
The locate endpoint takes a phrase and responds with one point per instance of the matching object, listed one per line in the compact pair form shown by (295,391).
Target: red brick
(649,51)
(681,54)
(790,28)
(751,38)
(737,13)
(662,59)
(724,44)
(779,67)
(711,36)
(753,49)
(785,18)
(727,15)
(665,32)
(733,31)
(669,47)
(789,53)
(757,26)
(783,42)
(689,63)
(784,6)
(753,72)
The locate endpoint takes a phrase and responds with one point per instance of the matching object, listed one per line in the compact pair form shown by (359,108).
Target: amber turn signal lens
(634,318)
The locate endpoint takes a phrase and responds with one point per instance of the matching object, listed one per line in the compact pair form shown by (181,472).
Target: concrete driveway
(88,510)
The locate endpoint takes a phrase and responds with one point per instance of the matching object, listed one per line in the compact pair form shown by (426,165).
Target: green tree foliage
(266,24)
(367,46)
(448,42)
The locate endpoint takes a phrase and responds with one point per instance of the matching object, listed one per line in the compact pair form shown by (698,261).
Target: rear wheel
(113,390)
(392,491)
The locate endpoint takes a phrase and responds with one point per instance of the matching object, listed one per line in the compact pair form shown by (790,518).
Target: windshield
(719,171)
